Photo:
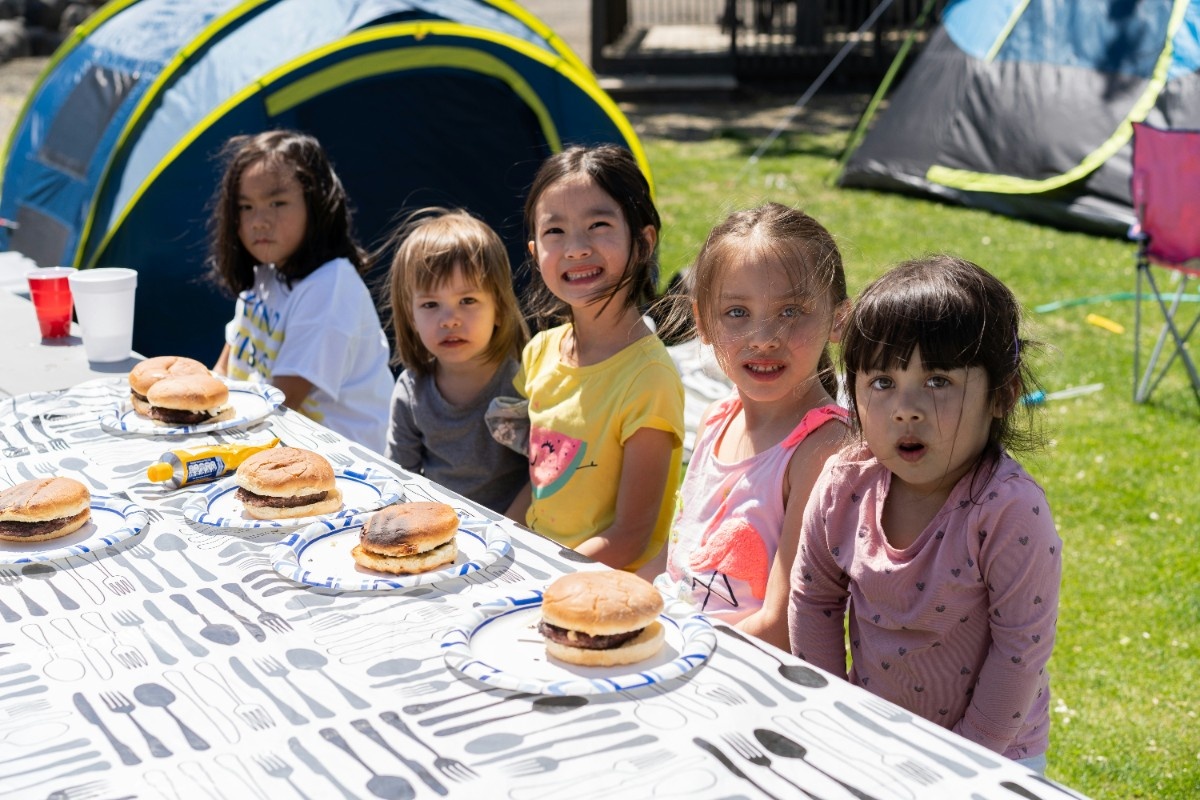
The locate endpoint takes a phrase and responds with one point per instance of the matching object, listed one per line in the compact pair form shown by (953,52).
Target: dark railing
(752,40)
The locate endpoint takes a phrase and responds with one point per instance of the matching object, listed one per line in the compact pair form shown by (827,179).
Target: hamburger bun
(149,372)
(47,508)
(408,538)
(195,393)
(286,483)
(185,400)
(601,619)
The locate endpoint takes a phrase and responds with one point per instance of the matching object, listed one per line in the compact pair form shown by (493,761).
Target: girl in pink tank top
(769,294)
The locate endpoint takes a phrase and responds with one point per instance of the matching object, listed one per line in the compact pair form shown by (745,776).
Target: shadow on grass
(751,119)
(800,143)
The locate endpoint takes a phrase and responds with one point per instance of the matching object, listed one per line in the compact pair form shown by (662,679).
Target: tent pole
(816,84)
(861,129)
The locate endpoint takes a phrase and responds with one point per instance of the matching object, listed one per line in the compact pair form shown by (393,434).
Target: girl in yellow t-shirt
(605,398)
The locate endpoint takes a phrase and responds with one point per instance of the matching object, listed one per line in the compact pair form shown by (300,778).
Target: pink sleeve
(1021,560)
(819,588)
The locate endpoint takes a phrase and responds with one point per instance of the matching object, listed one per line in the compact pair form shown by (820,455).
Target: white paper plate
(113,520)
(251,402)
(363,489)
(320,555)
(498,644)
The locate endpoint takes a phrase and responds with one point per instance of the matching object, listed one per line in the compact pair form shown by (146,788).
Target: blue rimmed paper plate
(498,644)
(113,520)
(363,489)
(320,555)
(251,403)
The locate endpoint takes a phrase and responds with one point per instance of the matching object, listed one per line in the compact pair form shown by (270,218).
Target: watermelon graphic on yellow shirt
(553,459)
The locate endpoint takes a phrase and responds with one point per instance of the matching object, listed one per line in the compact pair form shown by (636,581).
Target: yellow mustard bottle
(182,467)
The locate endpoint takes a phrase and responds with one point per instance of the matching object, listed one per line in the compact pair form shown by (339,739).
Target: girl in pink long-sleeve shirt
(939,546)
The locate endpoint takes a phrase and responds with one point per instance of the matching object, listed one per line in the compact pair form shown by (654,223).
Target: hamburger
(286,483)
(408,538)
(42,509)
(601,619)
(149,372)
(188,400)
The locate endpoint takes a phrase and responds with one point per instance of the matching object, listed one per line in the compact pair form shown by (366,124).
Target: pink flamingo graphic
(735,549)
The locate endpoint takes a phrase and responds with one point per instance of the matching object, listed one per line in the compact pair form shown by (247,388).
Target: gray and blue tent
(1025,107)
(418,102)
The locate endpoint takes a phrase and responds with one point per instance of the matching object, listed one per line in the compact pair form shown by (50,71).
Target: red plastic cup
(51,293)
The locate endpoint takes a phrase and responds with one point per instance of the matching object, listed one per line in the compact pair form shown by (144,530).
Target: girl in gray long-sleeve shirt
(458,333)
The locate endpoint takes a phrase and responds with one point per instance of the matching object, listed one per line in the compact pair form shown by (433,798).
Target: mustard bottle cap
(162,471)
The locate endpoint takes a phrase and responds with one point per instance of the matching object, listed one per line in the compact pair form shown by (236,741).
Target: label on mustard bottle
(204,469)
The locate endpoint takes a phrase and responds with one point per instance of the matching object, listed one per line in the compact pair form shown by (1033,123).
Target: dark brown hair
(614,170)
(960,316)
(329,230)
(430,243)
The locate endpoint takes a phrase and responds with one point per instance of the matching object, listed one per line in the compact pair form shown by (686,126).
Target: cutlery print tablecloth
(160,657)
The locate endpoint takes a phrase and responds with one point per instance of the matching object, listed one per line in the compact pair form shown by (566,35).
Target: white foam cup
(104,304)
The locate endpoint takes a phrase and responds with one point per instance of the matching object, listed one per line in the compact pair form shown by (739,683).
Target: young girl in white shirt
(304,321)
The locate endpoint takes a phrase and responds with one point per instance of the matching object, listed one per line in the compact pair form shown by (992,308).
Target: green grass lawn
(1121,478)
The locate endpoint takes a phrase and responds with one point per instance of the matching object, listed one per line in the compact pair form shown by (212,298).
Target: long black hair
(329,233)
(615,171)
(960,316)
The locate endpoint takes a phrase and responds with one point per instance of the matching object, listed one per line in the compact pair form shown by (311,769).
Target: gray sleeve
(405,445)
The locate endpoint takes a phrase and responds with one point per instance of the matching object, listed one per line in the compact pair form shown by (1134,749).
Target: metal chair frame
(1146,382)
(1175,332)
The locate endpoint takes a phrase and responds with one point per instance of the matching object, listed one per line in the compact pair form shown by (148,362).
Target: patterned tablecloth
(170,650)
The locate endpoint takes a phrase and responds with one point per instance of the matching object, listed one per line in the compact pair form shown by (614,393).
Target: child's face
(455,321)
(927,426)
(768,339)
(272,215)
(581,241)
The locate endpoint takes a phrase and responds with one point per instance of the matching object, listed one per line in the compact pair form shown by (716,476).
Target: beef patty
(583,640)
(250,498)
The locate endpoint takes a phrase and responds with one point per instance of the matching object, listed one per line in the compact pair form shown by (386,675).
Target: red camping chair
(1166,200)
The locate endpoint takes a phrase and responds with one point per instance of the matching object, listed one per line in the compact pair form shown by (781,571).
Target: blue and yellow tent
(1025,107)
(418,102)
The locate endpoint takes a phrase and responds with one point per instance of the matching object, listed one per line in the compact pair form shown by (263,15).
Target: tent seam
(970,180)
